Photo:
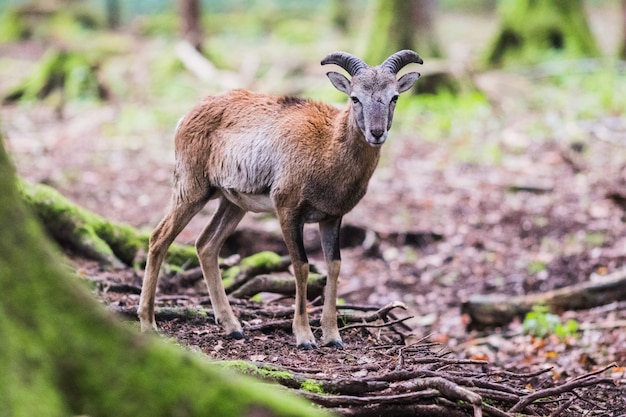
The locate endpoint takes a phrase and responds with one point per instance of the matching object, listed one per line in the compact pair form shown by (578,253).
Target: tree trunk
(402,24)
(622,50)
(409,24)
(114,14)
(529,28)
(61,354)
(340,15)
(191,22)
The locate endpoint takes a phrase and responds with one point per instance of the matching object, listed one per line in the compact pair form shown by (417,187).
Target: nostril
(377,133)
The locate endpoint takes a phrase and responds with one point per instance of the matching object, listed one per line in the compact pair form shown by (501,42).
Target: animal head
(373,91)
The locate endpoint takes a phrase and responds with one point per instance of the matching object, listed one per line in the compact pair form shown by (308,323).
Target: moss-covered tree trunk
(402,24)
(529,28)
(62,355)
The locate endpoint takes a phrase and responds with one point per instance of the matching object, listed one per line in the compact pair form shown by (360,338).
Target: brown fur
(302,159)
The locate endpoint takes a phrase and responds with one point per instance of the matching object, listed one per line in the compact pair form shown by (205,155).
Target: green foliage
(437,116)
(540,323)
(535,267)
(73,73)
(40,21)
(12,28)
(164,24)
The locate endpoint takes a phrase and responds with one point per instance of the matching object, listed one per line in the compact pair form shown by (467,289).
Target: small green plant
(534,267)
(540,323)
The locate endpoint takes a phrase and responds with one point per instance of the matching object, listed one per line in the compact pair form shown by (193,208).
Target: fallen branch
(170,313)
(279,284)
(498,310)
(260,263)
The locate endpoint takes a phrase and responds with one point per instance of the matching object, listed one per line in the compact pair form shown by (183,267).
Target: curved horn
(346,61)
(400,59)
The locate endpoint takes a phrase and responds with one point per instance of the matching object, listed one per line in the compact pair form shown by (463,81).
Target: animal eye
(394,99)
(354,99)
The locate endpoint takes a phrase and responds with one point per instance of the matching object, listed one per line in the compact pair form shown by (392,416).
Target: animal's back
(240,141)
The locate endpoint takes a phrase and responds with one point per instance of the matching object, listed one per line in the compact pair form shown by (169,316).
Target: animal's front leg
(292,226)
(330,243)
(301,327)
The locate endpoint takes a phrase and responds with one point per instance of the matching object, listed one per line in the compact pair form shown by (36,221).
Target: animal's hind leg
(178,216)
(209,243)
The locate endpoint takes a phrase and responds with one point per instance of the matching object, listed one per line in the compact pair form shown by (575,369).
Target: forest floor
(549,217)
(541,214)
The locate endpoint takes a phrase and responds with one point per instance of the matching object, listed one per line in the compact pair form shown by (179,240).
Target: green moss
(12,27)
(68,223)
(92,235)
(312,386)
(228,276)
(62,354)
(264,372)
(266,259)
(182,255)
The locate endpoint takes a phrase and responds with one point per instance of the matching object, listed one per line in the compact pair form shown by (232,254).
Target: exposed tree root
(87,234)
(433,387)
(280,284)
(419,380)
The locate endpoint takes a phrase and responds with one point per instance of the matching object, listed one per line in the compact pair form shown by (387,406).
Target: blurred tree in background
(340,14)
(622,51)
(191,22)
(402,24)
(529,28)
(114,14)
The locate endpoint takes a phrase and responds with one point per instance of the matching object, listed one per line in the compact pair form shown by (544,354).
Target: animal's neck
(360,157)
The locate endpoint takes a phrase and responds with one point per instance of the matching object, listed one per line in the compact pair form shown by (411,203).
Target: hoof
(308,346)
(337,343)
(236,335)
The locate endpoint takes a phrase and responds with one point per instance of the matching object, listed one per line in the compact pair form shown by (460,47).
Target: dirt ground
(550,214)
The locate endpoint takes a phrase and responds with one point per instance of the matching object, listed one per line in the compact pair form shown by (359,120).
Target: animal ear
(340,82)
(407,81)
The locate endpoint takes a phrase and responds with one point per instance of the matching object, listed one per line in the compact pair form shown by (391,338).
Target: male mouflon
(304,160)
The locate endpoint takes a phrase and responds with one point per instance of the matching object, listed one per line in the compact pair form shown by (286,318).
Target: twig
(596,372)
(548,392)
(564,406)
(520,374)
(349,400)
(374,326)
